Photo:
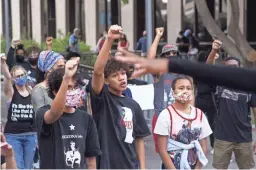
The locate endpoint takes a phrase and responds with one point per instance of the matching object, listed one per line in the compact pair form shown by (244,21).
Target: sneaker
(212,151)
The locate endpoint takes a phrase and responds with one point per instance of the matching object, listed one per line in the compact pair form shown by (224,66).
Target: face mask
(21,81)
(33,61)
(73,97)
(183,97)
(19,58)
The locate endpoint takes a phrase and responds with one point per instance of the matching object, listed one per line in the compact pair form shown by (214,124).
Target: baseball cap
(169,47)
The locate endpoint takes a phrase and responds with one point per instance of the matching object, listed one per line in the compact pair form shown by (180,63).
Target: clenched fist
(115,32)
(216,45)
(160,31)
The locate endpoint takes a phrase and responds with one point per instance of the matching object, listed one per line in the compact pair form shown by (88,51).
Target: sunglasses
(171,53)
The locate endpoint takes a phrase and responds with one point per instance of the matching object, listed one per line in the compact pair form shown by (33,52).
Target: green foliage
(59,44)
(125,1)
(2,45)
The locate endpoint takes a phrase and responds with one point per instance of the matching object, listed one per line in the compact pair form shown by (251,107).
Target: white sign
(143,95)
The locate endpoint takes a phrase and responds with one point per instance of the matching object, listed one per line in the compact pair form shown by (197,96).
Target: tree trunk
(214,29)
(241,43)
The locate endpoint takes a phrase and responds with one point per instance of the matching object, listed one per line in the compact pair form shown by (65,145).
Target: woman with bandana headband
(47,62)
(20,131)
(182,130)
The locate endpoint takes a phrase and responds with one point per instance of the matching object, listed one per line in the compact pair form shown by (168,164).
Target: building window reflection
(161,16)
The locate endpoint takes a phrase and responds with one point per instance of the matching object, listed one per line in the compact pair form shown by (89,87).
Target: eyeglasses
(19,76)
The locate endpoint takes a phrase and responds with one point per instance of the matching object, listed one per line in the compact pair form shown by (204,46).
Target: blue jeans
(24,146)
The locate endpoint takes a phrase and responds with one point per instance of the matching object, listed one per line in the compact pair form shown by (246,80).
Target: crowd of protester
(63,119)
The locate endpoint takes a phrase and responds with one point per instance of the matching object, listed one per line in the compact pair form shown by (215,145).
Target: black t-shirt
(136,82)
(21,115)
(233,121)
(65,143)
(205,97)
(119,121)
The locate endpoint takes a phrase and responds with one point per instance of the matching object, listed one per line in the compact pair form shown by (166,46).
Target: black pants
(208,107)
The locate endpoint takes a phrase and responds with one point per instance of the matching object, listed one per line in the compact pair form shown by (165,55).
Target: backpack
(154,120)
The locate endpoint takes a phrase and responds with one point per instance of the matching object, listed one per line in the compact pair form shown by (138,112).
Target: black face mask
(33,61)
(20,58)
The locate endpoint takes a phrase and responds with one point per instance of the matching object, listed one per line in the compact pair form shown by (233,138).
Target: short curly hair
(113,66)
(55,79)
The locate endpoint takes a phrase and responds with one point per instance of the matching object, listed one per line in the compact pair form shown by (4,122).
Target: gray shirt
(163,92)
(40,97)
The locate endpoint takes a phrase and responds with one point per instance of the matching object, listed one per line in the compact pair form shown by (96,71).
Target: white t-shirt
(183,128)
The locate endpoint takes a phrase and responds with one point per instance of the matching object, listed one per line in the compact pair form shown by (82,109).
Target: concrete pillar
(128,22)
(174,18)
(61,19)
(1,20)
(77,13)
(36,12)
(91,22)
(16,19)
(241,14)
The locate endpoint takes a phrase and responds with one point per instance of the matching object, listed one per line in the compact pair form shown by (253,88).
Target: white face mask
(183,97)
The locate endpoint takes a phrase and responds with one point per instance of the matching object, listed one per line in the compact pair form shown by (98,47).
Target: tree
(235,43)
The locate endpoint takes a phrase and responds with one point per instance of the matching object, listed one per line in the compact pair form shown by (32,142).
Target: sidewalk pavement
(153,160)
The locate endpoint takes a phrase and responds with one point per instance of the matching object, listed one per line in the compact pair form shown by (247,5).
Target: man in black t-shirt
(67,136)
(120,122)
(233,130)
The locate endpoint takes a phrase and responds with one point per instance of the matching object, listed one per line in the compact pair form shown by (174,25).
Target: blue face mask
(21,81)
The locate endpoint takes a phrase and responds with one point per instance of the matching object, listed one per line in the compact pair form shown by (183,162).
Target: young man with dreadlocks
(119,119)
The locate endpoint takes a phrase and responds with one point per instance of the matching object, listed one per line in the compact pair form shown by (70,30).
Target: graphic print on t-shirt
(186,135)
(168,92)
(72,155)
(71,149)
(21,112)
(232,95)
(126,120)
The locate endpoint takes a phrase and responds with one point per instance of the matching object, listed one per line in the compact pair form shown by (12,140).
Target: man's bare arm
(114,32)
(216,45)
(153,49)
(140,149)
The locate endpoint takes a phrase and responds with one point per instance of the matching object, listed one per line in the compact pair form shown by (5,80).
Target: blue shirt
(142,44)
(73,40)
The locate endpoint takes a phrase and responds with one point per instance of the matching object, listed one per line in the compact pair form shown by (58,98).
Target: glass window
(161,16)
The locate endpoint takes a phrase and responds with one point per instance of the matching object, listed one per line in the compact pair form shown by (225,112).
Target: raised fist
(15,43)
(115,32)
(3,58)
(216,45)
(71,67)
(160,31)
(49,40)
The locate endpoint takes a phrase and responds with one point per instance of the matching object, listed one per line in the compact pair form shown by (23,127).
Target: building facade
(37,19)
